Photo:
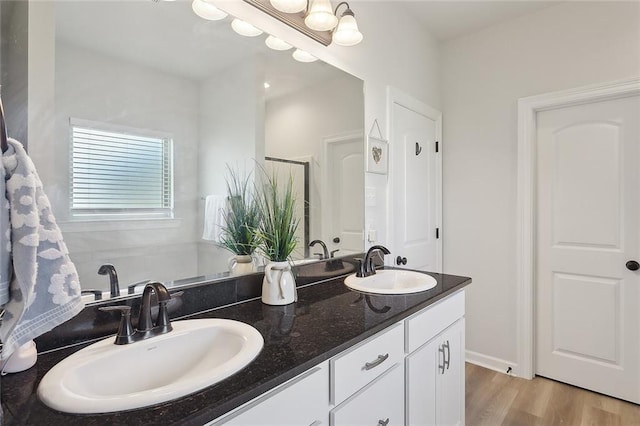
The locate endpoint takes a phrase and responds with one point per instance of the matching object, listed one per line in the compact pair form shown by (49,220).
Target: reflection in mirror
(148,92)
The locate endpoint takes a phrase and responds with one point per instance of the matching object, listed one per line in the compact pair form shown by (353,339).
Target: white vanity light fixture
(347,32)
(244,28)
(206,10)
(320,16)
(303,56)
(276,43)
(289,6)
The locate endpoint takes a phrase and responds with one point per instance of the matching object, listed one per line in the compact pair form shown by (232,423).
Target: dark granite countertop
(327,319)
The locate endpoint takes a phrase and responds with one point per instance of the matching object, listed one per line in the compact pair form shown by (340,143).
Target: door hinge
(437,146)
(437,233)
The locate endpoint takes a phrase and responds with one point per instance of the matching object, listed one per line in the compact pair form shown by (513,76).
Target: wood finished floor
(494,399)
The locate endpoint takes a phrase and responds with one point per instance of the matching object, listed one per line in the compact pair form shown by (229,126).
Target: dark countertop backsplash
(327,319)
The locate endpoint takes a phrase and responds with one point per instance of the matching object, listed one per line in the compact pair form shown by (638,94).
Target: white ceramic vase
(241,265)
(278,285)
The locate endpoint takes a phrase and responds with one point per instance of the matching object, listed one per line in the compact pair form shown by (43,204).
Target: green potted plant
(277,239)
(241,221)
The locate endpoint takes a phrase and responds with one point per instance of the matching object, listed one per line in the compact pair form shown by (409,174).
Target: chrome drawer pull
(377,362)
(383,422)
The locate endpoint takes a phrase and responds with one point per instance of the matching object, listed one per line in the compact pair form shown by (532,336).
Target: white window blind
(116,173)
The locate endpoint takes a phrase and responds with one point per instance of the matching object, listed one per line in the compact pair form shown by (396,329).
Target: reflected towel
(45,289)
(214,208)
(5,241)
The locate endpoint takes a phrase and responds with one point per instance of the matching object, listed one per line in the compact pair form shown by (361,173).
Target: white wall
(231,133)
(565,46)
(396,51)
(100,88)
(297,123)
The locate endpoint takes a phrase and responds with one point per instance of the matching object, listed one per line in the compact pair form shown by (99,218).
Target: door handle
(401,260)
(418,148)
(632,265)
(383,422)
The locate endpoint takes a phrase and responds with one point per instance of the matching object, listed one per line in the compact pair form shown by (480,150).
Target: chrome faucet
(366,267)
(146,327)
(325,252)
(108,269)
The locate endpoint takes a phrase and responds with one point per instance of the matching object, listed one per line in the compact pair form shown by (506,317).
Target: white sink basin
(392,281)
(105,377)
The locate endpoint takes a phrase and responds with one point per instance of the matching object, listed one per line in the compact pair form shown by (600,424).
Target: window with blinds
(120,173)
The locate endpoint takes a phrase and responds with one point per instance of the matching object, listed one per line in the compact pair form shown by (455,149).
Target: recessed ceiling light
(277,44)
(302,56)
(245,28)
(266,85)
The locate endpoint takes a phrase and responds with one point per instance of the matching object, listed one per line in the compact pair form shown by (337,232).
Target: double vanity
(336,356)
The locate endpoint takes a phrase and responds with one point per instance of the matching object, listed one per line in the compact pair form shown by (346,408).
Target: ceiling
(450,19)
(170,37)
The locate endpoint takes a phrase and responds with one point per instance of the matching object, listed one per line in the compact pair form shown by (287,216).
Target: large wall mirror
(159,83)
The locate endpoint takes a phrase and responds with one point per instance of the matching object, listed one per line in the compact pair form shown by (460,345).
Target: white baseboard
(492,363)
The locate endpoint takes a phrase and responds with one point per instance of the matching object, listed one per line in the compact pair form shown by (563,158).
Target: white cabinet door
(450,376)
(421,384)
(302,401)
(435,380)
(381,403)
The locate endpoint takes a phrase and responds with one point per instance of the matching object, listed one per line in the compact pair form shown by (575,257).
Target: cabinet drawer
(381,402)
(301,401)
(353,370)
(425,325)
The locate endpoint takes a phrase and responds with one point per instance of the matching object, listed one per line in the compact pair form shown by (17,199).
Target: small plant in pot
(277,240)
(241,221)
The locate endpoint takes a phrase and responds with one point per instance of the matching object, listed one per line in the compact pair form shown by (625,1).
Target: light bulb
(347,33)
(302,56)
(245,28)
(206,10)
(320,16)
(289,6)
(277,44)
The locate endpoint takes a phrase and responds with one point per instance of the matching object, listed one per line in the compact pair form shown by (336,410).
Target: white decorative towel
(5,241)
(214,208)
(45,290)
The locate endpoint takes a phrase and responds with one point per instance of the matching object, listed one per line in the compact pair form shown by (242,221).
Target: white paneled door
(588,235)
(415,197)
(344,178)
